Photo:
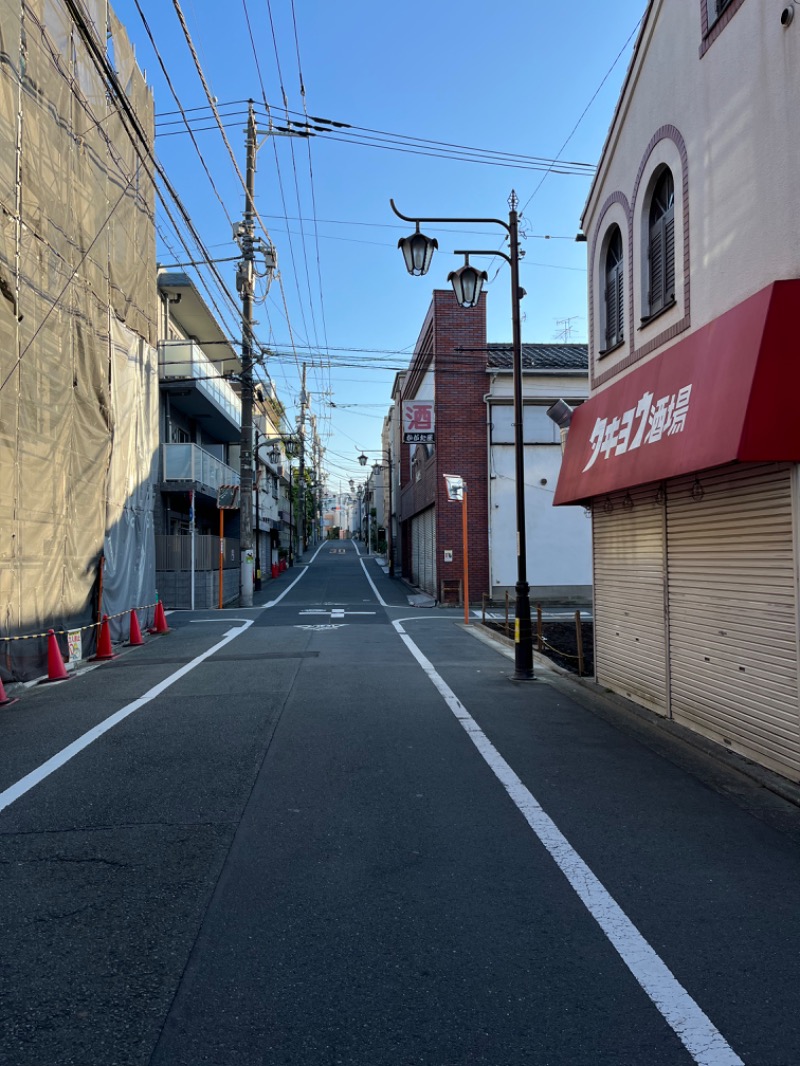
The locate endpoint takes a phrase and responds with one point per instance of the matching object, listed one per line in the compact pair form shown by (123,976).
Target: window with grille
(614,292)
(661,245)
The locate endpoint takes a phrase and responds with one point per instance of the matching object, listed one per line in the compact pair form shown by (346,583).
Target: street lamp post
(467,283)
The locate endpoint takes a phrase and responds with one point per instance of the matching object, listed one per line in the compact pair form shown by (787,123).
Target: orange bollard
(56,670)
(135,638)
(104,649)
(6,701)
(160,621)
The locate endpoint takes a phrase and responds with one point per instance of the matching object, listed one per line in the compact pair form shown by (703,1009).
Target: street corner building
(453,415)
(684,452)
(78,363)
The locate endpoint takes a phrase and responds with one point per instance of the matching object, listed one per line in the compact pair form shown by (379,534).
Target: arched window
(614,298)
(661,244)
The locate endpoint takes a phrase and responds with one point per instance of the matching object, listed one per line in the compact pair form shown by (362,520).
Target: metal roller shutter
(629,563)
(733,610)
(430,551)
(427,561)
(423,545)
(416,551)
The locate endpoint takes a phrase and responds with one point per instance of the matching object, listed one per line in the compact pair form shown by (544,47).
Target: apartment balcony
(188,466)
(195,387)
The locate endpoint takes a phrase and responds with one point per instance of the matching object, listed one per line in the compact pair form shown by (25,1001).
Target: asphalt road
(330,830)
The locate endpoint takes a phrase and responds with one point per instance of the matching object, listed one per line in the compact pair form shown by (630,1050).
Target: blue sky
(532,79)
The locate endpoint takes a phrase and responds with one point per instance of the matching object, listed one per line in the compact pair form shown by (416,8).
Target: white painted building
(559,557)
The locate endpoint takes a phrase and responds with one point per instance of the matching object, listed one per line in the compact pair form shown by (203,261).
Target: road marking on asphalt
(335,612)
(322,625)
(288,589)
(378,596)
(25,784)
(692,1026)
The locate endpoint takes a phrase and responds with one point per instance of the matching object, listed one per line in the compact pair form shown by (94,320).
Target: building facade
(682,453)
(467,384)
(197,518)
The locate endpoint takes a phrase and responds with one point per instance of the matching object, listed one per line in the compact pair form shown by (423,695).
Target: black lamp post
(467,283)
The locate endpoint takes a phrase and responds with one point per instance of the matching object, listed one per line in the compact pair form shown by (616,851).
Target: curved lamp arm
(406,218)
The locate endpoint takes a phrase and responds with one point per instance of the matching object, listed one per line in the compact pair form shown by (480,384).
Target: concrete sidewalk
(695,752)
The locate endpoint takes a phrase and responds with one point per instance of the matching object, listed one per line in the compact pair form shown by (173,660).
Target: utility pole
(244,234)
(302,474)
(316,487)
(245,277)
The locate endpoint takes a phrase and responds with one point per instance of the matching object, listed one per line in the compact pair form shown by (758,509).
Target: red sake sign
(419,422)
(710,399)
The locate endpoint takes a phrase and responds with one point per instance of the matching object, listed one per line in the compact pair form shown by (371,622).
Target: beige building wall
(727,124)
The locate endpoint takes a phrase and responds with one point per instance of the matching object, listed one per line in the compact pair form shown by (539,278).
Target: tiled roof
(540,356)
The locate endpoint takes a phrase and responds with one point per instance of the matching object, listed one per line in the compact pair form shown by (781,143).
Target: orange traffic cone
(136,634)
(56,670)
(160,621)
(6,701)
(104,649)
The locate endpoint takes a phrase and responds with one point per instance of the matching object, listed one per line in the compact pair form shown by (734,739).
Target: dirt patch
(561,643)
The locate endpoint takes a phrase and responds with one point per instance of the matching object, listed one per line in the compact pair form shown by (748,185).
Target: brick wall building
(453,366)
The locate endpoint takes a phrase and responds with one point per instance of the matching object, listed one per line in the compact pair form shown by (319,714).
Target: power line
(329,129)
(583,113)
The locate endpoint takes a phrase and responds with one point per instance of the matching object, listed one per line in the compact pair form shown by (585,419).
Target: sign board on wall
(419,424)
(710,399)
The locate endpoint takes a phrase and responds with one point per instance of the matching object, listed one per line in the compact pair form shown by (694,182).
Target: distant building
(685,452)
(467,385)
(201,432)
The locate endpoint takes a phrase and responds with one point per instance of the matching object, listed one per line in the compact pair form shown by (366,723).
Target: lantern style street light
(417,251)
(467,283)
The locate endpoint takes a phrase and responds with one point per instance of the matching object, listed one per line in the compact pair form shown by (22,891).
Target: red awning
(725,393)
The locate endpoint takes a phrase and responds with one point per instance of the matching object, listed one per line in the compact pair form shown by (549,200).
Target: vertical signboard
(419,426)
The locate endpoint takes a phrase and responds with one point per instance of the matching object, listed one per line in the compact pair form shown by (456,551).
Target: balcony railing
(189,463)
(185,359)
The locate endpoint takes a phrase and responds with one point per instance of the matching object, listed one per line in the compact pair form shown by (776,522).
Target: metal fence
(174,552)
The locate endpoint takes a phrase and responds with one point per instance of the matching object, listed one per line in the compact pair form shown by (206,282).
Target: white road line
(287,590)
(378,596)
(700,1037)
(25,784)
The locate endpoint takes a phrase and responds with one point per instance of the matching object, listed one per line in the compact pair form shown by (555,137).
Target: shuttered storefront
(629,564)
(423,540)
(733,612)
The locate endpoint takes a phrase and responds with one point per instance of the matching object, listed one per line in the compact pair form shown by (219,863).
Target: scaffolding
(78,366)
